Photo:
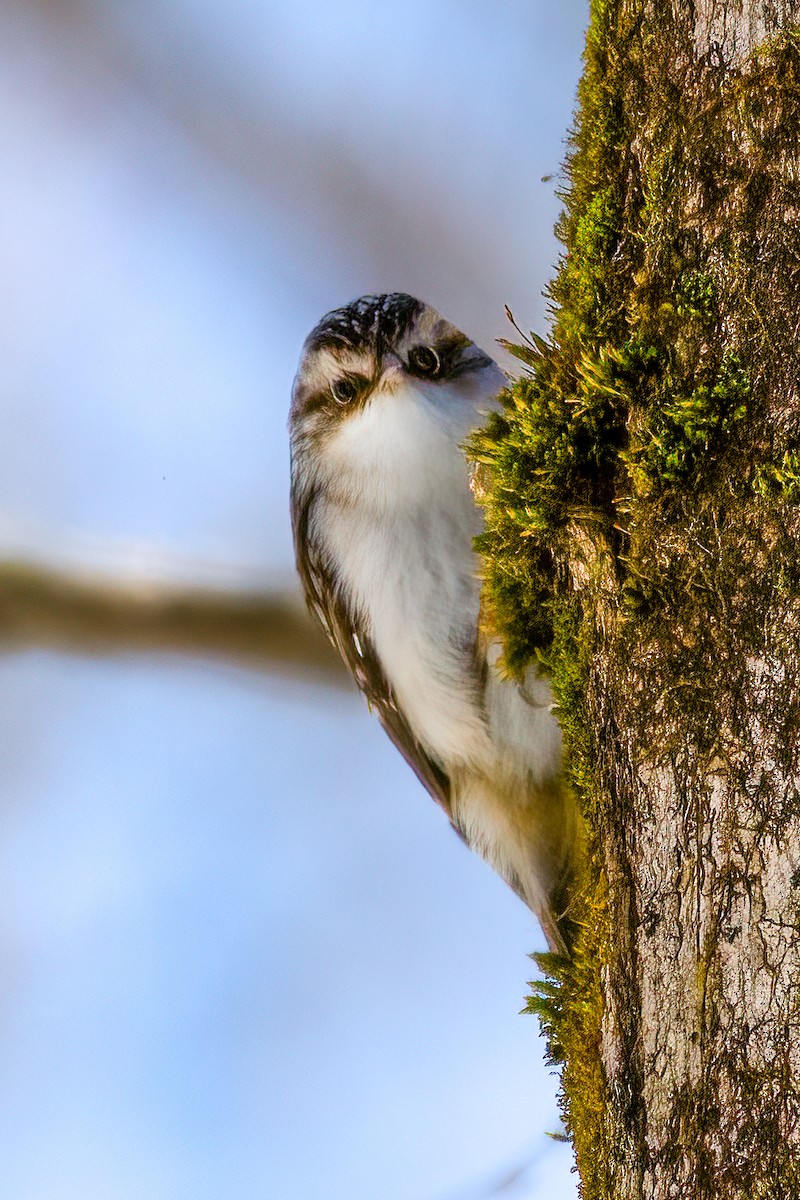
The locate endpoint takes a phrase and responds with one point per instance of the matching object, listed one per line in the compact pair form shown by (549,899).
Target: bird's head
(384,376)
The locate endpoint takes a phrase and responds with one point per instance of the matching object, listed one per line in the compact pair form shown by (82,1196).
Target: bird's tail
(531,835)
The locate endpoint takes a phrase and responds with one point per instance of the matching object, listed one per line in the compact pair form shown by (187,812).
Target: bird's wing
(328,605)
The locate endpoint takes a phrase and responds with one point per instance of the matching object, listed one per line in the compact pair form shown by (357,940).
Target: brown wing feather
(328,605)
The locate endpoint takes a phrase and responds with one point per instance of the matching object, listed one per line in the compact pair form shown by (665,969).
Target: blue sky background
(241,953)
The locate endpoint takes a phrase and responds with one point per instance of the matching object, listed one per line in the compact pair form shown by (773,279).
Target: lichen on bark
(643,539)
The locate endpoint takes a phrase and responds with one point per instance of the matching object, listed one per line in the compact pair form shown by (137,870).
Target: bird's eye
(423,360)
(344,390)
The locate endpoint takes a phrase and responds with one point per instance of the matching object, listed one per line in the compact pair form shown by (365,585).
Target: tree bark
(644,497)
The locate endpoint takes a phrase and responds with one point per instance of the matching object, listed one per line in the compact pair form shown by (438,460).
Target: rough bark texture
(647,482)
(698,702)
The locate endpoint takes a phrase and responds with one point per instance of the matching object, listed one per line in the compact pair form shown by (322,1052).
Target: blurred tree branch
(40,606)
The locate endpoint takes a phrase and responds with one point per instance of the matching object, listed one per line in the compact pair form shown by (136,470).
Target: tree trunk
(642,537)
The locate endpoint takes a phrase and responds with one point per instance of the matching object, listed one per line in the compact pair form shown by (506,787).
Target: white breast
(399,524)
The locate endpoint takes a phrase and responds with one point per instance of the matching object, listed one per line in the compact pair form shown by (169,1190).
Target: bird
(384,518)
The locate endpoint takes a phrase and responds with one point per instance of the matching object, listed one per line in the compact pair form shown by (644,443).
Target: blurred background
(242,954)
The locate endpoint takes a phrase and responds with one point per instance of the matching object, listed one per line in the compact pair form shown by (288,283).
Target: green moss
(697,296)
(683,432)
(568,1003)
(780,481)
(551,454)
